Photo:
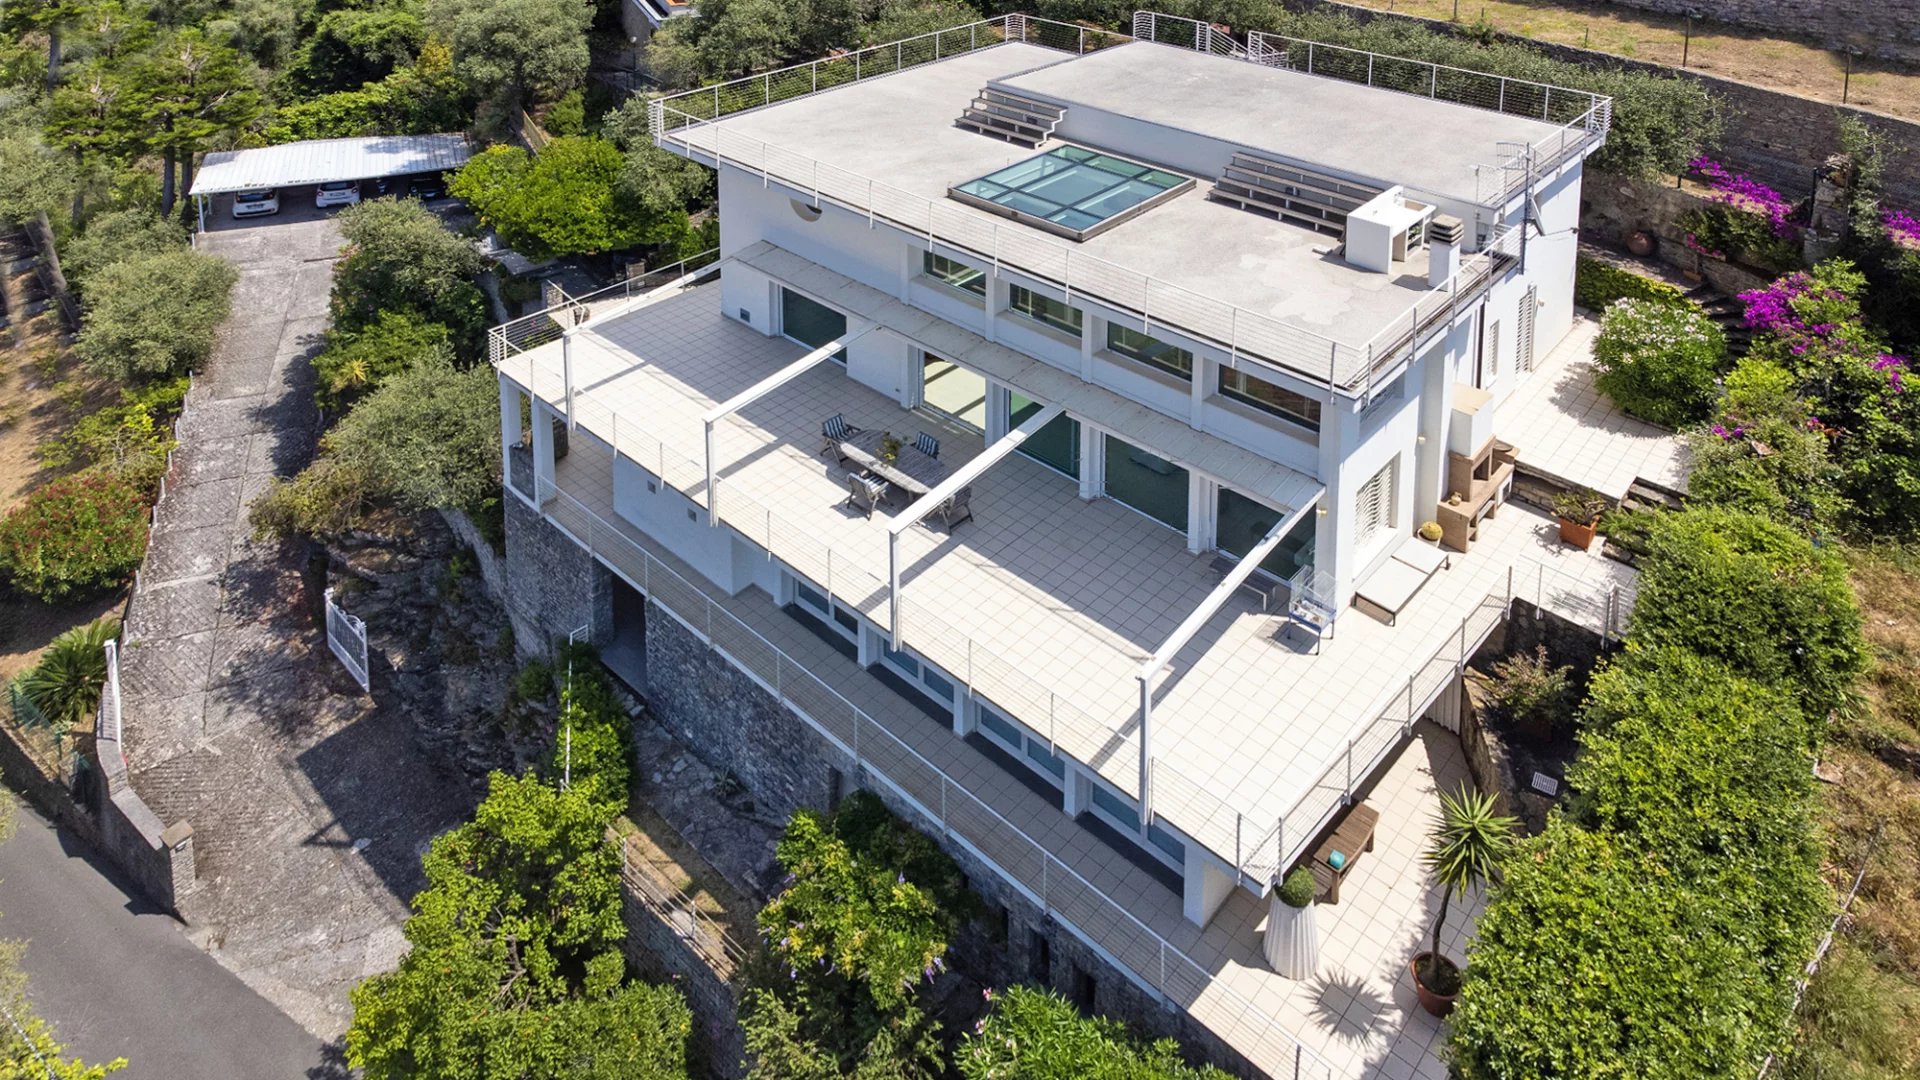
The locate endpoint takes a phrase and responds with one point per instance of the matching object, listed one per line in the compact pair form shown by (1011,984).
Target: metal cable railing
(1057,888)
(532,331)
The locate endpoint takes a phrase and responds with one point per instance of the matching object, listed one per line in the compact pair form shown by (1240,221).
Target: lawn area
(1779,63)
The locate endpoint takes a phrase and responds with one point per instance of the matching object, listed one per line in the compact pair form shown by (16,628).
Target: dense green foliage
(400,257)
(1890,263)
(1037,1035)
(428,438)
(74,538)
(1766,455)
(1658,360)
(356,362)
(351,46)
(154,315)
(592,751)
(1598,284)
(515,968)
(129,439)
(117,236)
(64,684)
(518,50)
(574,197)
(857,934)
(1757,596)
(418,99)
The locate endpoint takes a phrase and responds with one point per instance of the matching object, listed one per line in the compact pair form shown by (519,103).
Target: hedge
(74,538)
(1596,285)
(1757,596)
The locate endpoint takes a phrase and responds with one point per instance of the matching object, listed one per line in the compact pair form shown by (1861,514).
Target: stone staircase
(1728,312)
(1017,119)
(1290,192)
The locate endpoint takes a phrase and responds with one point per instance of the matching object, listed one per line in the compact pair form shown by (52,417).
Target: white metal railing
(347,637)
(532,331)
(1186,33)
(1259,338)
(111,722)
(1584,117)
(875,750)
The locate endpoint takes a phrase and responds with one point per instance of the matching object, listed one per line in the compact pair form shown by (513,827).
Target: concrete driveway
(117,978)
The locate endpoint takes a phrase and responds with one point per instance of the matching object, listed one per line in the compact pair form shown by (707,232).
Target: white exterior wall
(677,523)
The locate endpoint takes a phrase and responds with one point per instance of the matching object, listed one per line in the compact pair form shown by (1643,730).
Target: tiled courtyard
(1565,428)
(1045,603)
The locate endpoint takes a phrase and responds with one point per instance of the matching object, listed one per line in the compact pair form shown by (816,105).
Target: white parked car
(338,193)
(256,203)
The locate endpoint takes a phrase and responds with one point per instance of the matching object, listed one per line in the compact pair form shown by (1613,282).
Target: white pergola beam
(944,490)
(1185,632)
(759,390)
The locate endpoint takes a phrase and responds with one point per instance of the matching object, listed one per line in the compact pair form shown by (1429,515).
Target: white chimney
(1445,235)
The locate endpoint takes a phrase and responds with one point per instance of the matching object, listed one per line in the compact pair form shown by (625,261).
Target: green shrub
(1297,888)
(1598,959)
(1756,595)
(130,440)
(356,362)
(416,100)
(567,116)
(1038,1035)
(593,738)
(116,236)
(1596,285)
(400,257)
(876,834)
(154,315)
(1767,455)
(1658,360)
(1725,231)
(74,538)
(65,683)
(1531,691)
(573,197)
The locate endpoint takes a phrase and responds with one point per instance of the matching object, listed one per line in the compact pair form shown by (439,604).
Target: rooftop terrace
(1044,603)
(888,147)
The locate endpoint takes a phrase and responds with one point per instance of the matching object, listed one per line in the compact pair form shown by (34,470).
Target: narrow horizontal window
(958,275)
(1277,400)
(1135,345)
(1043,310)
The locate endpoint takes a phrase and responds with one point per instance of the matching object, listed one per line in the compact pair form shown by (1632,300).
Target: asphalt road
(118,978)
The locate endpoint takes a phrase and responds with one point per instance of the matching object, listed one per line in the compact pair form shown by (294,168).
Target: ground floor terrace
(1030,622)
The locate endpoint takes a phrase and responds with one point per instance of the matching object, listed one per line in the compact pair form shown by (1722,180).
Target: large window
(1242,522)
(1277,400)
(811,324)
(1050,313)
(958,275)
(1373,506)
(1135,345)
(1147,482)
(1017,742)
(1057,443)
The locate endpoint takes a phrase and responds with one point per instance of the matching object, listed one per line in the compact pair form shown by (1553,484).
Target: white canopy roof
(320,161)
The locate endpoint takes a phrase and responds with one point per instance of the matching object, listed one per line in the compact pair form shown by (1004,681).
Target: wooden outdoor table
(1353,835)
(912,472)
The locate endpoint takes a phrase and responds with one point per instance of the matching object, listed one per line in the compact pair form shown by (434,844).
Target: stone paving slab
(197,506)
(173,554)
(211,459)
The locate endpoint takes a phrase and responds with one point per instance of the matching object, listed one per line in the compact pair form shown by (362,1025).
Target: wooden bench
(1351,836)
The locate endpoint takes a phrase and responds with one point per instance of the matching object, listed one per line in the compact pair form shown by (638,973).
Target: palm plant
(65,685)
(1469,841)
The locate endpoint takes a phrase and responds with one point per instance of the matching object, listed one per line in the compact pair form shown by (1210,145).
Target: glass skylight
(1071,190)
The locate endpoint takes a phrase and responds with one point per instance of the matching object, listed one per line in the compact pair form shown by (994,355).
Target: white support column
(1093,464)
(543,477)
(509,429)
(1086,345)
(1208,882)
(999,410)
(1200,503)
(932,500)
(566,372)
(1146,748)
(1075,790)
(1205,373)
(759,390)
(962,711)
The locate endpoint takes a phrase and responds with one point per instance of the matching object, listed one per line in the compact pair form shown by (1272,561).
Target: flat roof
(320,161)
(1344,127)
(900,131)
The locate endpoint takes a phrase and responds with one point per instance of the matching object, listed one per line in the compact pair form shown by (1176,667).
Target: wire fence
(713,943)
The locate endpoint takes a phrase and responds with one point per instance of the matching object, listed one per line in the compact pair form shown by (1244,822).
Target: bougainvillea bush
(74,538)
(1746,221)
(1859,392)
(1767,454)
(1658,360)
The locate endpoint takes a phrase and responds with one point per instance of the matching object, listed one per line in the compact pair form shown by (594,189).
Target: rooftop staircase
(1016,119)
(1290,192)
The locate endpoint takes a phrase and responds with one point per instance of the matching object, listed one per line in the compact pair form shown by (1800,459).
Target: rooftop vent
(1291,193)
(1012,117)
(1447,229)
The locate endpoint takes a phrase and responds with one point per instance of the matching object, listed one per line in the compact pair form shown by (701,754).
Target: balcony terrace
(1047,604)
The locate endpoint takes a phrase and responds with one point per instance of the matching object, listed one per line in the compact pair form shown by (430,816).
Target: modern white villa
(1051,435)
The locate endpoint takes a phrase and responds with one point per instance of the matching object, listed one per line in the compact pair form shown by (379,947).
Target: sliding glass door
(1147,482)
(1056,445)
(811,324)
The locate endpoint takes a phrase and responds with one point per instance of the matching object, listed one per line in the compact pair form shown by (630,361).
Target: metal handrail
(951,805)
(547,324)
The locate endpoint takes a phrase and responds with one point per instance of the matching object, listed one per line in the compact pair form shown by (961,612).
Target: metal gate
(347,637)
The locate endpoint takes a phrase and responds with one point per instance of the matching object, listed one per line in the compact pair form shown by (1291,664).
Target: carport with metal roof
(322,161)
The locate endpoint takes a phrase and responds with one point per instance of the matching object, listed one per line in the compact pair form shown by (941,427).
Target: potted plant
(1431,532)
(890,447)
(1468,843)
(1579,513)
(1292,944)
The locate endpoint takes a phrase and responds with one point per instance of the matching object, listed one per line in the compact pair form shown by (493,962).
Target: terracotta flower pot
(1436,1003)
(1580,536)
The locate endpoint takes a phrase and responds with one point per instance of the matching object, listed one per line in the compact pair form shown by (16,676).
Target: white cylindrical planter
(1292,943)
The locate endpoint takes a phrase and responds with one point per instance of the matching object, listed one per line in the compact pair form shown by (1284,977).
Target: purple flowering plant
(1902,228)
(1745,193)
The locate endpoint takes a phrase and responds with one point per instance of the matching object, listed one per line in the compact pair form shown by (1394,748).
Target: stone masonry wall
(1776,137)
(1884,28)
(551,586)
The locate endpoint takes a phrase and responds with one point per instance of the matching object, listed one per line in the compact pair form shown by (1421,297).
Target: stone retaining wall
(1884,28)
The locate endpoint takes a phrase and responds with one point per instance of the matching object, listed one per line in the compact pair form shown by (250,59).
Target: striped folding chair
(927,444)
(835,431)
